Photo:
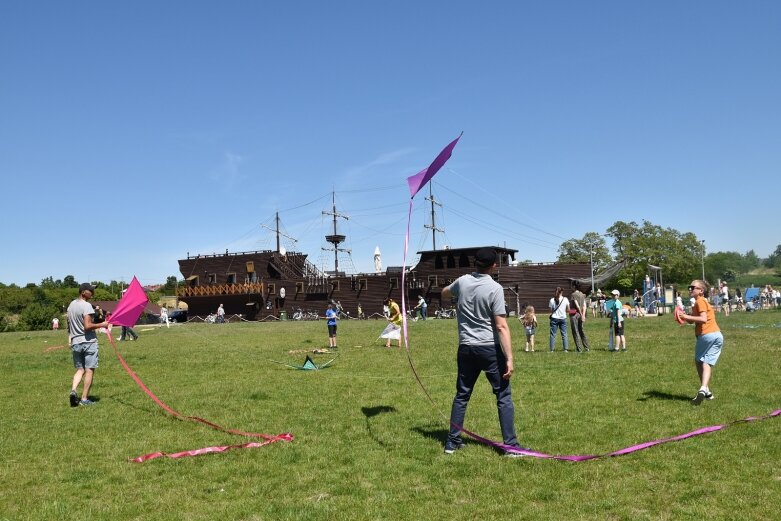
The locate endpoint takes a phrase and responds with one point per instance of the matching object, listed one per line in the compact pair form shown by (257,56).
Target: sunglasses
(694,287)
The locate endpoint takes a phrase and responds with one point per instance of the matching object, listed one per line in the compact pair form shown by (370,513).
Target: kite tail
(270,438)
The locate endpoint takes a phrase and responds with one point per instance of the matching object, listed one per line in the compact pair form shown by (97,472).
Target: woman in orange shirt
(707,348)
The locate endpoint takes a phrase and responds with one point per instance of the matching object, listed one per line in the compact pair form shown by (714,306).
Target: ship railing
(285,266)
(220,289)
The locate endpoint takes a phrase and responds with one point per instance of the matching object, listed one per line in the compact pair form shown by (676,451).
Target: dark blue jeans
(472,360)
(558,324)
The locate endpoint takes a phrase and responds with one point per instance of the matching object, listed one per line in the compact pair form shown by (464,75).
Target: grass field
(368,443)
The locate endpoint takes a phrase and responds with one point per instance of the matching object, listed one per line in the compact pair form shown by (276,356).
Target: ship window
(335,285)
(192,280)
(272,289)
(250,266)
(432,281)
(212,278)
(463,261)
(438,265)
(363,284)
(231,278)
(451,261)
(394,283)
(299,287)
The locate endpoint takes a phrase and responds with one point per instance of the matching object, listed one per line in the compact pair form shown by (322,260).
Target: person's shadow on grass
(440,435)
(659,395)
(371,412)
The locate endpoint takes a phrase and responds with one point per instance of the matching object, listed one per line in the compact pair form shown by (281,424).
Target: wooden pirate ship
(277,283)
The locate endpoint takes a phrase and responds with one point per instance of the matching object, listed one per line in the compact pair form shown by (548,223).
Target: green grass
(368,443)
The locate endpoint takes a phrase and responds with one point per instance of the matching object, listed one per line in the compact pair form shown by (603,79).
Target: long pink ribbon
(270,438)
(201,452)
(525,451)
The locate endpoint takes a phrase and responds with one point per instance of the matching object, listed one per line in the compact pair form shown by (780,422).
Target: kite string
(159,402)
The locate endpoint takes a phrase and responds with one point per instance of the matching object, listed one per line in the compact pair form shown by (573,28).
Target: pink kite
(130,306)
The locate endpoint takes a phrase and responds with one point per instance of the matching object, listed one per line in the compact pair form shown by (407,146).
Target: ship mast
(335,238)
(433,226)
(278,233)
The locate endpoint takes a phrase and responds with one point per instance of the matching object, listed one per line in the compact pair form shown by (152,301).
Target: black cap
(485,257)
(86,286)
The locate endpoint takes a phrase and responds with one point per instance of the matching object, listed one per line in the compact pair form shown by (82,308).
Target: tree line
(681,256)
(32,307)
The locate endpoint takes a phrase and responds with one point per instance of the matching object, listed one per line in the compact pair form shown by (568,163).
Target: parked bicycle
(300,314)
(445,313)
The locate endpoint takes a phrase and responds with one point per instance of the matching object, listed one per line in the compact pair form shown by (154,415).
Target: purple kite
(417,181)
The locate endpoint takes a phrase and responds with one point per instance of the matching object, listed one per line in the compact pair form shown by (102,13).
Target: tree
(725,265)
(678,254)
(69,282)
(14,300)
(774,261)
(48,283)
(750,261)
(37,317)
(580,250)
(170,285)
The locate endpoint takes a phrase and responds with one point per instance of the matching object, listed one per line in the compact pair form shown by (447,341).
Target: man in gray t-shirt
(484,346)
(84,343)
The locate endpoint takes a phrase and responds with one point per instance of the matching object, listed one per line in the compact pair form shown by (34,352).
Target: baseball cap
(485,257)
(86,286)
(615,292)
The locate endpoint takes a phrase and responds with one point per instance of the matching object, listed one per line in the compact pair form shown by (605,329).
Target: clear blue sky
(132,133)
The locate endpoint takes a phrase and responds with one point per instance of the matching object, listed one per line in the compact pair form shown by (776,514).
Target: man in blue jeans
(484,346)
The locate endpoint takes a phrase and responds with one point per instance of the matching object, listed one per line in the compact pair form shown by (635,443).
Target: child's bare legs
(704,371)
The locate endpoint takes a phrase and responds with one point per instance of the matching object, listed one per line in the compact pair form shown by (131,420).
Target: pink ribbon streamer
(525,451)
(270,438)
(207,450)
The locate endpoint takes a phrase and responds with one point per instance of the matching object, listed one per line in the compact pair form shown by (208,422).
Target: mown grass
(368,443)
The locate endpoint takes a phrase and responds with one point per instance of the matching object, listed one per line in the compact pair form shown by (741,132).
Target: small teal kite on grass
(309,364)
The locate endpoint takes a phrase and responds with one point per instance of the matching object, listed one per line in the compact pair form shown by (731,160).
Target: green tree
(774,260)
(750,262)
(6,324)
(725,265)
(37,317)
(14,299)
(677,254)
(170,285)
(580,250)
(69,282)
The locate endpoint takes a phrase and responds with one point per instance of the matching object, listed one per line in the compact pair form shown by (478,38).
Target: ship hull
(266,285)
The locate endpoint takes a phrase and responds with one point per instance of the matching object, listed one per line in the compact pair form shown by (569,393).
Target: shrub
(37,317)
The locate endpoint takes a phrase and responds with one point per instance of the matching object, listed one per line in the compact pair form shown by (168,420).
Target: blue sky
(132,133)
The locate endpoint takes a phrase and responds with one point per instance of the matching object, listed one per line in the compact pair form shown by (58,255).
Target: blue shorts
(331,330)
(708,348)
(530,331)
(85,355)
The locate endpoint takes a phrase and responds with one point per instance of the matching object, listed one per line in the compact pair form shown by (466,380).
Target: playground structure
(654,297)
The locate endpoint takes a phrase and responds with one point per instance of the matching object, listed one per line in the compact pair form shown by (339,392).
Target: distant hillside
(759,277)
